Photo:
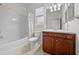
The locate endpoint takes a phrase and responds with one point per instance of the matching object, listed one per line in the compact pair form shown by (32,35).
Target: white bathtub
(16,47)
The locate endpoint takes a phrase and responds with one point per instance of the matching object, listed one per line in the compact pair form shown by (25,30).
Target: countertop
(61,31)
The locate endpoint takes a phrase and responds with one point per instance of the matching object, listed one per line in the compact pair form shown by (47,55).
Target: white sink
(51,30)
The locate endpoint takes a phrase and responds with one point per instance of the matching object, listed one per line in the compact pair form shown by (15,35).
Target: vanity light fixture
(51,9)
(59,6)
(54,7)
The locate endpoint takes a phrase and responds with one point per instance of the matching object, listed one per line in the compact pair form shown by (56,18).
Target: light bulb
(59,5)
(54,6)
(55,9)
(58,8)
(51,10)
(50,7)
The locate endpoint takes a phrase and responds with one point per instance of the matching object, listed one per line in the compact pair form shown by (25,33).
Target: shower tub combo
(15,47)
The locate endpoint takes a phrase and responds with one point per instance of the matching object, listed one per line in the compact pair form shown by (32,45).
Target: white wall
(73,25)
(31,23)
(12,30)
(76,9)
(64,9)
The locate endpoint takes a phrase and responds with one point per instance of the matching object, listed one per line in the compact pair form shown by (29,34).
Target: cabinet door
(64,47)
(47,44)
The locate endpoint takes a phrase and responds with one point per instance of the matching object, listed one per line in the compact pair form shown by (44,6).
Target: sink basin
(51,30)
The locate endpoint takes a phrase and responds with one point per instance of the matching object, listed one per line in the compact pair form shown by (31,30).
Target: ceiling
(32,6)
(26,7)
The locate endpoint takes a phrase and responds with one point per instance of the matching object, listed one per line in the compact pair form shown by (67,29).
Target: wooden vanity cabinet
(48,46)
(59,43)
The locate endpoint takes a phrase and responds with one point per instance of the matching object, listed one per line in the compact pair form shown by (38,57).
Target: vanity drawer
(70,36)
(46,33)
(64,35)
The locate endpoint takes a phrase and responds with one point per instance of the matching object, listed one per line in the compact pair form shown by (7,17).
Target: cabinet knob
(56,40)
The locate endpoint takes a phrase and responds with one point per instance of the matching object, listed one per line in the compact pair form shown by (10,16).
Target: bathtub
(15,47)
